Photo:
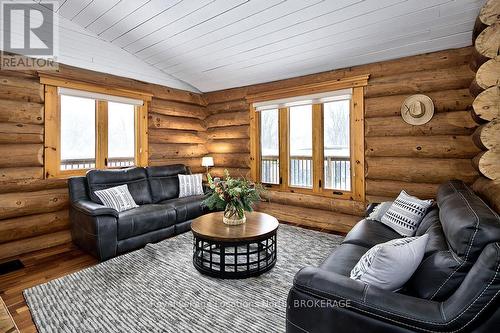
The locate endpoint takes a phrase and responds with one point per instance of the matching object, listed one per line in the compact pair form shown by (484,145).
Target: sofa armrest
(378,305)
(93,209)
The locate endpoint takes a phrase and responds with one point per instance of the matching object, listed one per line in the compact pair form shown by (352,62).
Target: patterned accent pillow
(405,214)
(380,211)
(391,264)
(117,197)
(190,185)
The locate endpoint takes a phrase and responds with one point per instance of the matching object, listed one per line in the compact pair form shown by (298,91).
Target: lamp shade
(207,161)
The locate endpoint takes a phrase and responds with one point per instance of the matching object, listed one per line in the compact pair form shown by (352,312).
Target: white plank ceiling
(219,44)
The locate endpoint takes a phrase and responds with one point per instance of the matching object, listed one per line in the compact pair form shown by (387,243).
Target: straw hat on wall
(417,109)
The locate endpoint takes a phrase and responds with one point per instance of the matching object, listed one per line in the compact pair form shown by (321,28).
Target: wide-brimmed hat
(417,109)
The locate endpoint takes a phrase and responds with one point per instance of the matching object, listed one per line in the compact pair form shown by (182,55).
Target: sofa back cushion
(468,223)
(164,181)
(135,179)
(458,232)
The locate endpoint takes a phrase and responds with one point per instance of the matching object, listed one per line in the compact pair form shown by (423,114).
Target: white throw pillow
(117,197)
(190,185)
(405,214)
(391,264)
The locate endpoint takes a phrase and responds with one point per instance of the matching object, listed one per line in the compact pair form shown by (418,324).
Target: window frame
(52,124)
(357,192)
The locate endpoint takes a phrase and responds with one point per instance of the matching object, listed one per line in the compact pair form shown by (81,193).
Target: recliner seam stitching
(476,227)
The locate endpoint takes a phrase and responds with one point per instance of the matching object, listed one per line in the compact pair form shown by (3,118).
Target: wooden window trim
(52,158)
(357,84)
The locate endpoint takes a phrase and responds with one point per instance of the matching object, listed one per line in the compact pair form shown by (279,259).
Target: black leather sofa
(105,233)
(455,289)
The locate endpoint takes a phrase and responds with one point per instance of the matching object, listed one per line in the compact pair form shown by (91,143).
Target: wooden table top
(211,227)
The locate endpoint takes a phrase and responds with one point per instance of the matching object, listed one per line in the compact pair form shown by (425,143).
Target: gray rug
(157,289)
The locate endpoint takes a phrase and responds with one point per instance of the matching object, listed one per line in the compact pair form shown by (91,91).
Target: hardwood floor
(40,267)
(45,265)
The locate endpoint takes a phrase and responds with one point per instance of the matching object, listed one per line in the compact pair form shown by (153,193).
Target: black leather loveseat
(105,233)
(455,289)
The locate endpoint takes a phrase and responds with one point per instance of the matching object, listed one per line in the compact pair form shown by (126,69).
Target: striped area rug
(157,289)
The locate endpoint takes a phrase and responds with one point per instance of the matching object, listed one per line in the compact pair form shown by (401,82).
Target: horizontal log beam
(170,108)
(234,172)
(21,89)
(21,112)
(15,174)
(441,146)
(33,225)
(31,185)
(27,203)
(21,133)
(157,135)
(238,105)
(228,146)
(15,248)
(444,101)
(228,119)
(232,160)
(489,190)
(448,123)
(420,82)
(229,132)
(420,170)
(21,155)
(193,163)
(172,151)
(179,123)
(392,188)
(314,201)
(309,217)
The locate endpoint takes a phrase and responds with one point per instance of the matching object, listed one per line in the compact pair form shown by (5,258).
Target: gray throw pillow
(117,197)
(405,214)
(391,264)
(380,211)
(190,185)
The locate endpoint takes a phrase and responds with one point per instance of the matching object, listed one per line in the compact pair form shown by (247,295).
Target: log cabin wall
(34,210)
(398,155)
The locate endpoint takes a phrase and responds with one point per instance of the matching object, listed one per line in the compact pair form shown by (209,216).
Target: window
(336,146)
(87,129)
(310,144)
(269,134)
(78,133)
(301,147)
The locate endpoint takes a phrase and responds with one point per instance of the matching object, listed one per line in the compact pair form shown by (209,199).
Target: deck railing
(337,171)
(89,163)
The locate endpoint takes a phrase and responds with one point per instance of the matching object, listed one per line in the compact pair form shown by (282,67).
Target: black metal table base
(234,260)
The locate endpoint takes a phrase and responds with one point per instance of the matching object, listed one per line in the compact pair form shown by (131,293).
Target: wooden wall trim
(310,88)
(96,88)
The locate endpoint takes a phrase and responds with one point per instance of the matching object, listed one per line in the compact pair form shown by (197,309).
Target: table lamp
(207,162)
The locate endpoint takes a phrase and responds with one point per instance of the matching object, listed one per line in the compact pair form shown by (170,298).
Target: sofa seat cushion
(187,208)
(144,219)
(369,233)
(343,259)
(135,179)
(164,181)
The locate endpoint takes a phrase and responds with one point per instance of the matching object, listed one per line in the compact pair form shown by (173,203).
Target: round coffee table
(234,251)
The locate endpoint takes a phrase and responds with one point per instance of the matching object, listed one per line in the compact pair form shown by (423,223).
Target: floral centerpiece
(233,195)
